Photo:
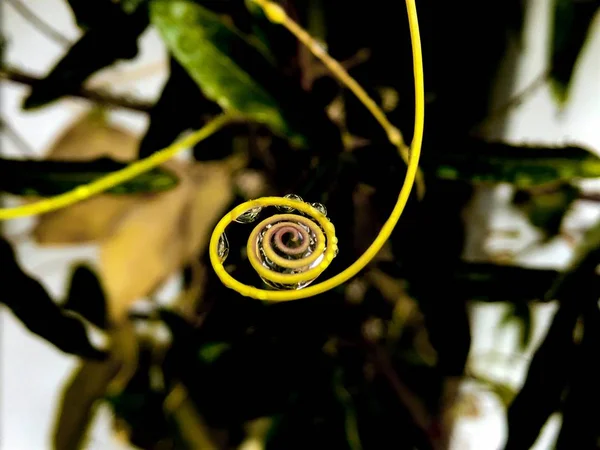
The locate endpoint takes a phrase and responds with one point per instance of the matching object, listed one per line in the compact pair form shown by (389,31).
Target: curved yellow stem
(115,178)
(276,14)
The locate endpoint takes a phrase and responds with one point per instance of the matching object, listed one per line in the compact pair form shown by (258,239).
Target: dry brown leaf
(92,136)
(164,231)
(83,222)
(88,138)
(91,381)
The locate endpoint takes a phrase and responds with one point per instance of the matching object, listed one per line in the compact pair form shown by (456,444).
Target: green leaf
(47,178)
(524,167)
(211,351)
(34,307)
(572,20)
(235,73)
(98,48)
(492,282)
(547,209)
(86,296)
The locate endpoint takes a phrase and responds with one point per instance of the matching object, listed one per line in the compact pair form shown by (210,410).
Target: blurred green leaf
(492,162)
(546,210)
(86,296)
(490,282)
(211,351)
(572,20)
(475,160)
(95,13)
(233,72)
(99,47)
(581,414)
(140,405)
(179,107)
(505,393)
(212,52)
(553,367)
(546,381)
(47,178)
(91,382)
(79,400)
(347,403)
(32,305)
(190,424)
(579,280)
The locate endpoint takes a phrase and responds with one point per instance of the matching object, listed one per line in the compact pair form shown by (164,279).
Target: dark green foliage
(546,209)
(86,296)
(96,13)
(179,108)
(572,21)
(104,43)
(140,406)
(580,411)
(558,365)
(47,178)
(546,380)
(30,302)
(237,74)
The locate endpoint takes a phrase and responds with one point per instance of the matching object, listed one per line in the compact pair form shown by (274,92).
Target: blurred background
(33,372)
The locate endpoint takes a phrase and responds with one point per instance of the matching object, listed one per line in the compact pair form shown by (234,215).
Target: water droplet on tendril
(249,216)
(290,197)
(320,207)
(287,250)
(223,248)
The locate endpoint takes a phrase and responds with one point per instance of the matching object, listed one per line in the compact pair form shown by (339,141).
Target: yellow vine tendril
(314,236)
(311,243)
(115,178)
(276,14)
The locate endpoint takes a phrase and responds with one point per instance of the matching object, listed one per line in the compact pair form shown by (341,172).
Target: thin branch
(591,197)
(39,24)
(96,96)
(513,102)
(411,402)
(14,136)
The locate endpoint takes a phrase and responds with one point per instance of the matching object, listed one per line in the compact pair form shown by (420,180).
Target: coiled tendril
(288,240)
(289,250)
(268,250)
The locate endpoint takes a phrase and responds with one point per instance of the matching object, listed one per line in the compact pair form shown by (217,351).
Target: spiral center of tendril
(289,250)
(290,239)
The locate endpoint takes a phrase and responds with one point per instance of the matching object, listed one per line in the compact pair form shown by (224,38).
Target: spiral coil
(288,250)
(300,269)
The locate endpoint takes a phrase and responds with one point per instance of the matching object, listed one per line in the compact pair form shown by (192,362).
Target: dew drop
(290,197)
(223,247)
(320,207)
(249,216)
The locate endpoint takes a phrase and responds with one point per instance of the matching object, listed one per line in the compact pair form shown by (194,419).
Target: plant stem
(96,96)
(38,23)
